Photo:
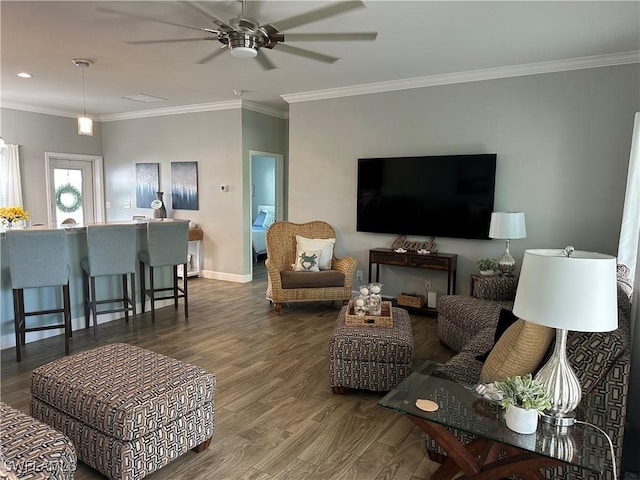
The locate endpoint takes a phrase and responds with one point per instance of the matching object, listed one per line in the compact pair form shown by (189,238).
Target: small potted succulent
(487,266)
(523,399)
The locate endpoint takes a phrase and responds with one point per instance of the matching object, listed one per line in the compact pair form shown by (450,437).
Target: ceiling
(416,39)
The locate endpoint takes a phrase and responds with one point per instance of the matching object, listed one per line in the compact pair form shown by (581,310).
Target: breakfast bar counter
(76,245)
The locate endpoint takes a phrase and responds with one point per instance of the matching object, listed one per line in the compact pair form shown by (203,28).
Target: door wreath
(68,198)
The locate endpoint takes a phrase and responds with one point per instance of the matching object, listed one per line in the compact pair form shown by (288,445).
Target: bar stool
(38,258)
(111,251)
(167,245)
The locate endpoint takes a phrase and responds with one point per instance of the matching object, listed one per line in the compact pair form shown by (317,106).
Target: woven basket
(411,300)
(383,320)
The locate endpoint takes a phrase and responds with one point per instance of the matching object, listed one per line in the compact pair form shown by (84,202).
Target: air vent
(144,98)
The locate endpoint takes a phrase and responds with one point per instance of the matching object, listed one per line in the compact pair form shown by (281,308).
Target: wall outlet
(427,285)
(127,205)
(358,274)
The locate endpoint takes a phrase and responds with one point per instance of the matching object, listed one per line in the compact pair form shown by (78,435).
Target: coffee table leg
(479,459)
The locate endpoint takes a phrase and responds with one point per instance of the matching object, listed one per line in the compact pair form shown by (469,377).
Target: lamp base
(559,420)
(506,264)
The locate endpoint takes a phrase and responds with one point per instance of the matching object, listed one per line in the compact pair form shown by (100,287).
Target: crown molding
(577,63)
(35,109)
(179,110)
(259,108)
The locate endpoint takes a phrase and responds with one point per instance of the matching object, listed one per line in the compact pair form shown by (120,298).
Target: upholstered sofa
(467,325)
(284,284)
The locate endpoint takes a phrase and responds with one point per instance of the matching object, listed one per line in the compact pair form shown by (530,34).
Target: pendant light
(85,123)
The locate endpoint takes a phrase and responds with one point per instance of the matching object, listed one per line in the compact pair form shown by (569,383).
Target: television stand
(444,262)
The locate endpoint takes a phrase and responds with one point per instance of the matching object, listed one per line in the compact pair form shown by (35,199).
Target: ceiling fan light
(243,52)
(243,45)
(85,125)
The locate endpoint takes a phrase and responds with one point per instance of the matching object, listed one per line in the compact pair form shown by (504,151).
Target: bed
(258,229)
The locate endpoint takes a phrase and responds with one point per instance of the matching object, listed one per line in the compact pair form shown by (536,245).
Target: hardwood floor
(276,417)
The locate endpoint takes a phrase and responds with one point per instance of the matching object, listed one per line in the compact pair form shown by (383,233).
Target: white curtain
(629,255)
(10,189)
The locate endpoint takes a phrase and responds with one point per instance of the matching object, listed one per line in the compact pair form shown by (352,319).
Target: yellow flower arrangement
(11,214)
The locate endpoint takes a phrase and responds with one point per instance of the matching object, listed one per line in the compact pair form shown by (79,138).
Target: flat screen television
(439,196)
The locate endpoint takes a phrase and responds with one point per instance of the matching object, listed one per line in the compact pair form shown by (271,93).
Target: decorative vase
(521,420)
(487,273)
(375,299)
(159,210)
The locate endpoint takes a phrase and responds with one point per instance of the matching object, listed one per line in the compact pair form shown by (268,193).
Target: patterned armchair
(285,285)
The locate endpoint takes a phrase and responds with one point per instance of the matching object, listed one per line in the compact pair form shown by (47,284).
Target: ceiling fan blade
(330,37)
(212,55)
(150,19)
(199,8)
(169,40)
(321,57)
(318,14)
(264,61)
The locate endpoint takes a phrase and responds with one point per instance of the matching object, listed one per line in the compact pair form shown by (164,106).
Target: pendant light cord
(84,95)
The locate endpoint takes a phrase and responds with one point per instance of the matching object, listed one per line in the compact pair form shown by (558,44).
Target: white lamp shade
(85,125)
(507,225)
(571,293)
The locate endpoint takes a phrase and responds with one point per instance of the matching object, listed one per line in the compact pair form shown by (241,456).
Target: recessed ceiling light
(24,75)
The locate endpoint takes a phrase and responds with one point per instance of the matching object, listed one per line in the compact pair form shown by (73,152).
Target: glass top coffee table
(495,451)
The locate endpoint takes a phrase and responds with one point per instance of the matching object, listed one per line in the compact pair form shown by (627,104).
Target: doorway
(75,194)
(266,176)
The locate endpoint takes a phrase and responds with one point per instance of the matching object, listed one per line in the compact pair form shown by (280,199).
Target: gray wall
(214,140)
(562,141)
(36,134)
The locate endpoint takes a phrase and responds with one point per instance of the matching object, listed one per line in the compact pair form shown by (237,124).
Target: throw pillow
(519,351)
(307,260)
(505,320)
(324,244)
(259,221)
(269,218)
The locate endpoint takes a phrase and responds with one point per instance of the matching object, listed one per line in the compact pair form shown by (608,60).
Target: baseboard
(9,340)
(227,277)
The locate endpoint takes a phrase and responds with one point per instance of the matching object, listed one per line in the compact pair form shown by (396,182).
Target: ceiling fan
(244,37)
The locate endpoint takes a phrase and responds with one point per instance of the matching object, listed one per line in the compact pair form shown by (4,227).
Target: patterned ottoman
(370,358)
(127,410)
(32,450)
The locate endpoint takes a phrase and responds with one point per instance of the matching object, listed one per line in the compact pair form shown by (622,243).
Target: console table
(445,262)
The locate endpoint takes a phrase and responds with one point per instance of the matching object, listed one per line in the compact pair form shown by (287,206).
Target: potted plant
(487,266)
(523,399)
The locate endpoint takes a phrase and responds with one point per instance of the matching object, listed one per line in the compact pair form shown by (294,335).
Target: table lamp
(566,290)
(507,225)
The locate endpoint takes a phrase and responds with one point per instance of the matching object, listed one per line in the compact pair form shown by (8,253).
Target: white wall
(562,141)
(36,134)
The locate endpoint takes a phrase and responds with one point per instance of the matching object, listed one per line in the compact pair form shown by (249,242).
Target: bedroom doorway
(266,203)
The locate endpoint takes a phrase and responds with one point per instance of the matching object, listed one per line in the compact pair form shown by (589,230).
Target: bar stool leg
(133,302)
(186,295)
(67,317)
(175,285)
(23,318)
(152,295)
(85,288)
(143,296)
(94,308)
(125,297)
(17,320)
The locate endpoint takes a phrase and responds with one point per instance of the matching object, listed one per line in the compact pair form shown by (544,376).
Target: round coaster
(426,405)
